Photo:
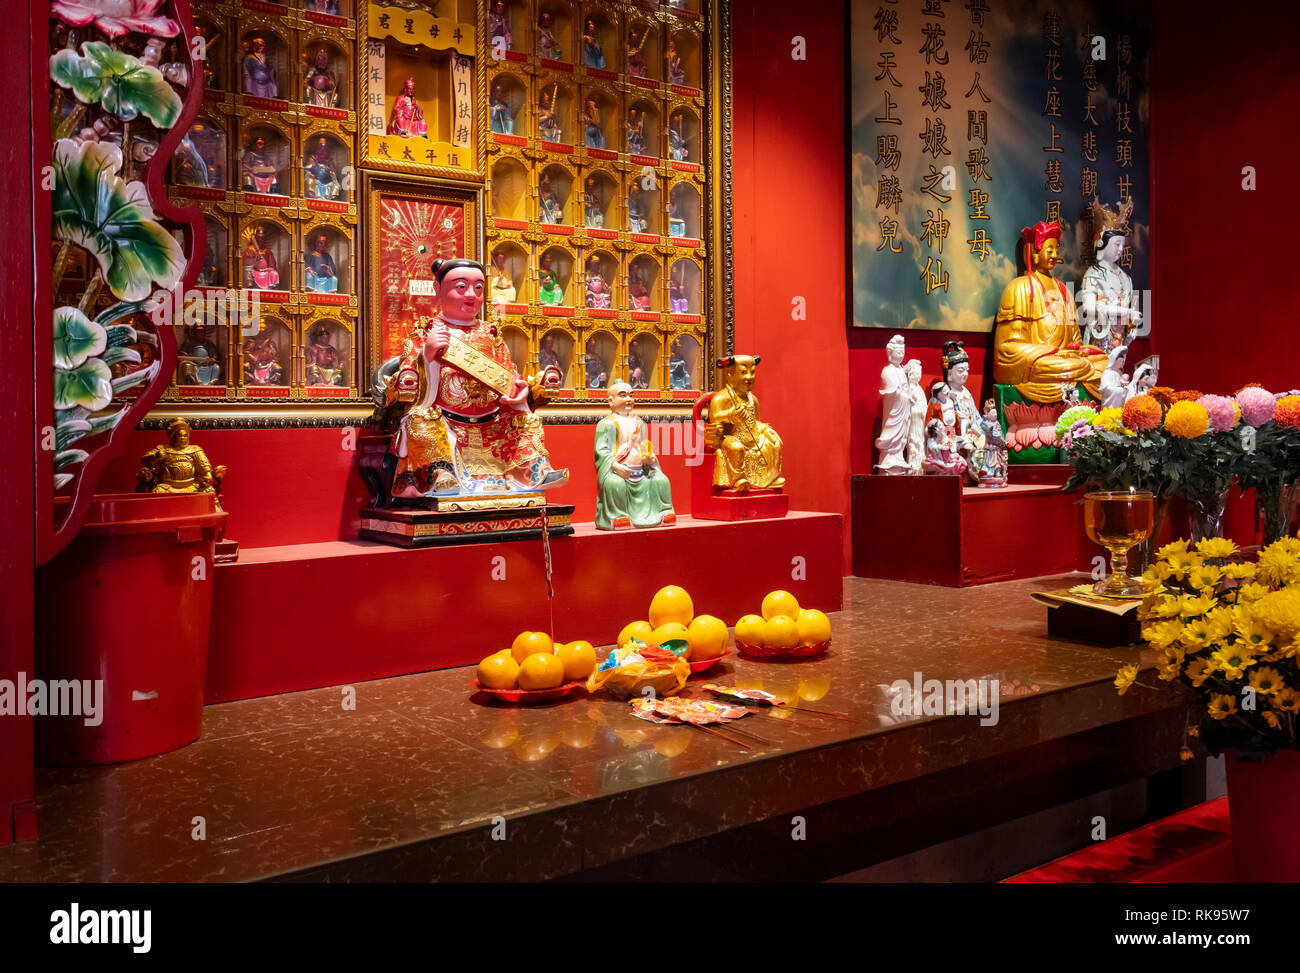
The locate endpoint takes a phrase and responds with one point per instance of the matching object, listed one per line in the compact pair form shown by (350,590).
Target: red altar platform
(1194,845)
(311,615)
(934,530)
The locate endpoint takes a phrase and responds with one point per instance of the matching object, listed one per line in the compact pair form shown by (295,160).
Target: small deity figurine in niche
(261,270)
(636,370)
(994,473)
(499,113)
(636,210)
(895,410)
(635,45)
(323,7)
(191,169)
(597,371)
(676,73)
(941,457)
(259,170)
(320,179)
(499,27)
(550,209)
(1114,382)
(178,467)
(592,134)
(632,490)
(598,290)
(636,144)
(638,294)
(212,274)
(503,286)
(592,55)
(321,88)
(679,375)
(548,122)
(546,356)
(547,45)
(322,364)
(197,359)
(676,219)
(462,435)
(916,416)
(1036,330)
(1106,291)
(320,274)
(677,302)
(550,291)
(747,450)
(407,119)
(259,73)
(970,425)
(262,360)
(1145,376)
(677,150)
(591,214)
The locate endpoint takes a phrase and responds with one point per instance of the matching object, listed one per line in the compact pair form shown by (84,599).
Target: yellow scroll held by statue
(477,365)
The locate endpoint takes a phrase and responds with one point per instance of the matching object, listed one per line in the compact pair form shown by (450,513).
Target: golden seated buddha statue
(1037,344)
(747,450)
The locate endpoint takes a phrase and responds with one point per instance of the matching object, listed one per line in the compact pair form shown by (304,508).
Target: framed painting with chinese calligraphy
(421,88)
(410,224)
(971,119)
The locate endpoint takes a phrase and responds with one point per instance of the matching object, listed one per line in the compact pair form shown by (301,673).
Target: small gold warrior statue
(748,451)
(180,467)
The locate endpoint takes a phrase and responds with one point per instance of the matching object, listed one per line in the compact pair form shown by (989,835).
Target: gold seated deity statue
(747,450)
(179,467)
(1038,347)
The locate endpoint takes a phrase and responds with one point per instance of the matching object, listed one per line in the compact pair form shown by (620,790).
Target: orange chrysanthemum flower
(1287,415)
(1162,394)
(1191,395)
(1142,412)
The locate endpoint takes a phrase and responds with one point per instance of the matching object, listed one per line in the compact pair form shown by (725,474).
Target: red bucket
(122,629)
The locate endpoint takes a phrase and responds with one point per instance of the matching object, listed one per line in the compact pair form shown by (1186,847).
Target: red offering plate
(525,696)
(706,664)
(783,655)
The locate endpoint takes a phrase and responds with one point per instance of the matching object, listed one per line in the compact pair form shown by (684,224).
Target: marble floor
(425,780)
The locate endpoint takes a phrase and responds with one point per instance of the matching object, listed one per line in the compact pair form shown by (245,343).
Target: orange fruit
(708,637)
(528,643)
(814,627)
(635,630)
(749,630)
(779,632)
(780,603)
(541,670)
(498,671)
(671,604)
(578,659)
(672,630)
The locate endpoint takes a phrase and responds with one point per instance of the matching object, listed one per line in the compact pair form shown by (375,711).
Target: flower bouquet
(1270,458)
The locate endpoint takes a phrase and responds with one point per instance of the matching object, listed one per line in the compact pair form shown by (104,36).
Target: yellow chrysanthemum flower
(1193,731)
(1196,633)
(1287,700)
(1199,670)
(1185,754)
(1179,564)
(1271,719)
(1216,547)
(1222,706)
(1220,623)
(1251,592)
(1253,634)
(1279,613)
(1172,548)
(1111,421)
(1192,606)
(1206,578)
(1239,571)
(1232,661)
(1163,634)
(1187,420)
(1266,680)
(1124,679)
(1164,606)
(1278,566)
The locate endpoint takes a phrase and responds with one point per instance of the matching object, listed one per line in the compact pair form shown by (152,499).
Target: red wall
(1224,294)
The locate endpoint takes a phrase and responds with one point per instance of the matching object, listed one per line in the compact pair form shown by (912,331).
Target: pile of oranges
(783,624)
(534,661)
(672,617)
